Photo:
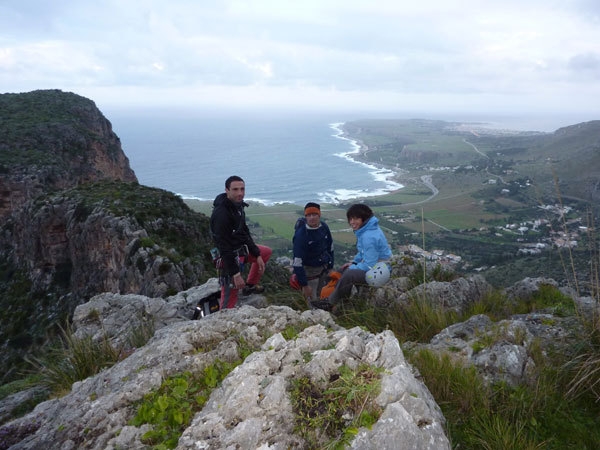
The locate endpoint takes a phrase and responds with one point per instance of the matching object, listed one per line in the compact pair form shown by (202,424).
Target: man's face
(313,220)
(236,191)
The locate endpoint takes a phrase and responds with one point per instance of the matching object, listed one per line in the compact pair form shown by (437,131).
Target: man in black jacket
(236,246)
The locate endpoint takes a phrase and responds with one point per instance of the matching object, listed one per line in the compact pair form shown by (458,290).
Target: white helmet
(378,275)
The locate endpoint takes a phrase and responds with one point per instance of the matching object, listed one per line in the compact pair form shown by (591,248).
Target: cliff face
(74,222)
(53,140)
(67,248)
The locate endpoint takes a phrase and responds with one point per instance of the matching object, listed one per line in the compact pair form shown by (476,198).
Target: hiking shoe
(256,289)
(321,304)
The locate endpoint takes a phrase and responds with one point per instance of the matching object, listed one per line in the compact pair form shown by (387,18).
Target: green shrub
(141,333)
(418,320)
(421,319)
(550,297)
(171,408)
(164,268)
(146,242)
(584,367)
(493,304)
(358,311)
(291,332)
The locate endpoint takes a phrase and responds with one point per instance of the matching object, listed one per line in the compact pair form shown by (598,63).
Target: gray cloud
(430,54)
(587,64)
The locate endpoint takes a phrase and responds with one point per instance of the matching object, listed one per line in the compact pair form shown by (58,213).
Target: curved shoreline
(379,172)
(362,149)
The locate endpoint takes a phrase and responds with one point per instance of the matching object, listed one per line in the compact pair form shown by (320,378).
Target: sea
(283,158)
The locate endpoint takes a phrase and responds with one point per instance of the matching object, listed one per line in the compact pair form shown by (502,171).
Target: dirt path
(476,149)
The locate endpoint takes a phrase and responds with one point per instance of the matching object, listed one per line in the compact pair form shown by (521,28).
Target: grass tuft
(330,418)
(73,359)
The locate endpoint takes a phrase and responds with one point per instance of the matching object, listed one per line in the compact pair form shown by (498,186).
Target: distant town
(532,236)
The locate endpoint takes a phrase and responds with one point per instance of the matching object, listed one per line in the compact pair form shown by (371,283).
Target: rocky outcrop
(62,249)
(526,288)
(251,408)
(53,140)
(455,295)
(113,316)
(502,351)
(458,294)
(89,252)
(505,351)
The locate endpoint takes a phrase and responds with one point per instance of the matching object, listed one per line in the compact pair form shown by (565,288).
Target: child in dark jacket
(313,252)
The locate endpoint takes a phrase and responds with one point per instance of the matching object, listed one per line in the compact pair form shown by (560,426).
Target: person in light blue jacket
(372,247)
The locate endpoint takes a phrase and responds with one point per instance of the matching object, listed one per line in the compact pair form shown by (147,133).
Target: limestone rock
(457,295)
(251,408)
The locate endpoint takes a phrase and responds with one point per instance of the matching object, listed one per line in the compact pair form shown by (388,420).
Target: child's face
(313,220)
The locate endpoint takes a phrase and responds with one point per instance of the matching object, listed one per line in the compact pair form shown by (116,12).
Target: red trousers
(229,295)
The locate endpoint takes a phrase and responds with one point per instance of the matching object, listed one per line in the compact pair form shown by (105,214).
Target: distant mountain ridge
(577,151)
(571,153)
(567,160)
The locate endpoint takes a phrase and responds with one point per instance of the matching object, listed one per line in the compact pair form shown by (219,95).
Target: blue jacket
(371,244)
(312,247)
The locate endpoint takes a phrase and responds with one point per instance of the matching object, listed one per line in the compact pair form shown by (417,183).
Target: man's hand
(307,291)
(261,264)
(238,281)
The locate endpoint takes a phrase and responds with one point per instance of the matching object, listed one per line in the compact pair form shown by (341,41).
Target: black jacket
(230,232)
(312,247)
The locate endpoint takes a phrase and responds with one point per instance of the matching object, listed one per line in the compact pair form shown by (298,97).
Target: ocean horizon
(282,158)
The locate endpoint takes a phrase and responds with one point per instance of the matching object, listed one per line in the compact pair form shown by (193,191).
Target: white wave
(381,174)
(268,202)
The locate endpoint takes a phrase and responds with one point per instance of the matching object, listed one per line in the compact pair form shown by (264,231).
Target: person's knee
(265,252)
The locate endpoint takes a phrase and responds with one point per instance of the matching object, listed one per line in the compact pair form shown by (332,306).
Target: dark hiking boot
(321,304)
(254,289)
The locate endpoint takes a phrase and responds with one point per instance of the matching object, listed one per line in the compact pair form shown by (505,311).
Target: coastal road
(427,181)
(438,225)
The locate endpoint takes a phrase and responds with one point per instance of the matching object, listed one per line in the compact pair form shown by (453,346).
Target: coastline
(379,172)
(382,175)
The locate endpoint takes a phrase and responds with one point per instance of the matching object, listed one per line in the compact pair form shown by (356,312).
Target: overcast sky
(496,56)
